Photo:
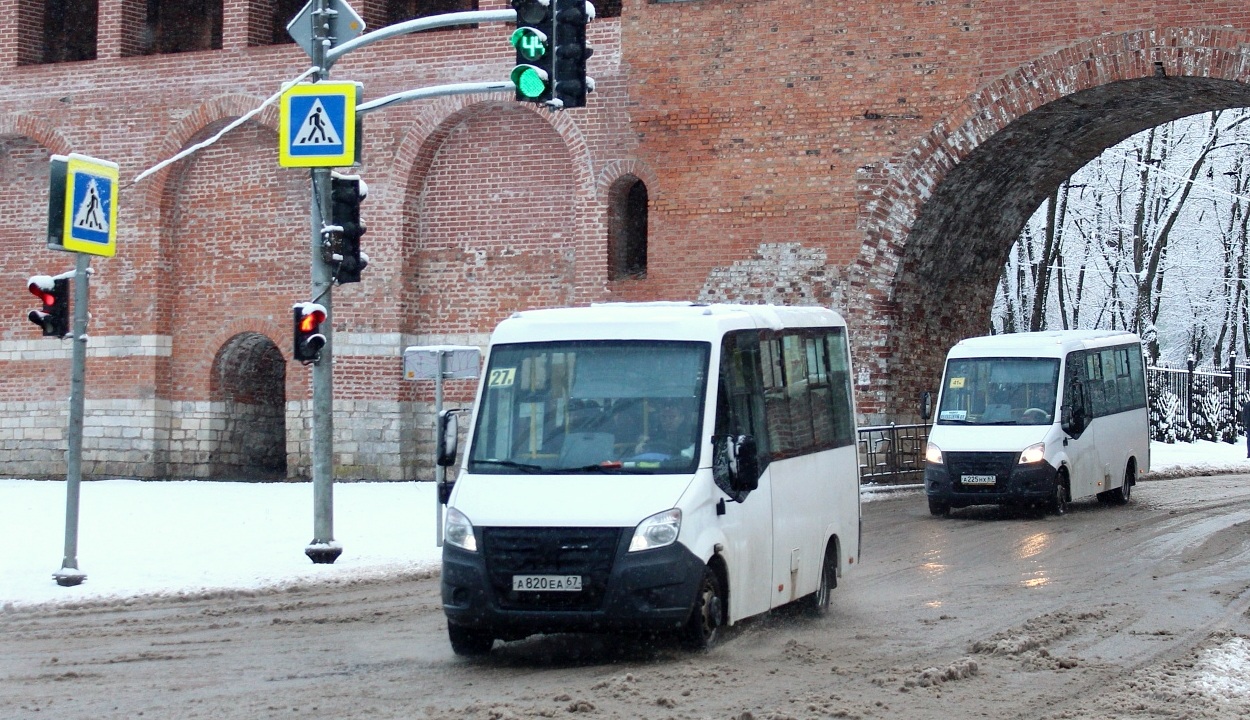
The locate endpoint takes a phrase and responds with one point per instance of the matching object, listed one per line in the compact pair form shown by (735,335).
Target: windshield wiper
(607,468)
(527,467)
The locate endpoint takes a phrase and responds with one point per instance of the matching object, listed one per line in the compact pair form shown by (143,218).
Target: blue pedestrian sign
(82,205)
(318,125)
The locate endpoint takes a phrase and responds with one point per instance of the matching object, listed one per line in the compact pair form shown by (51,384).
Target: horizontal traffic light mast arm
(432,22)
(435,91)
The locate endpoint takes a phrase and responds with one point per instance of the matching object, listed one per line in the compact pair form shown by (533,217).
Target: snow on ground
(178,538)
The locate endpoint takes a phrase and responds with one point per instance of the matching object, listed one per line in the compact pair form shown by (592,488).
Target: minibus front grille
(587,552)
(998,464)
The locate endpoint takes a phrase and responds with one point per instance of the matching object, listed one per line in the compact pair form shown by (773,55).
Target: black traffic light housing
(308,338)
(569,51)
(54,294)
(532,39)
(346,192)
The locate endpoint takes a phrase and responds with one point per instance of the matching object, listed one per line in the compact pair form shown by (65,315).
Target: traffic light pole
(69,574)
(324,52)
(323,549)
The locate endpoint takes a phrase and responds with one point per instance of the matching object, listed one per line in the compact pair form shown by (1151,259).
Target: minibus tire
(1059,503)
(469,642)
(1121,495)
(703,627)
(817,604)
(939,508)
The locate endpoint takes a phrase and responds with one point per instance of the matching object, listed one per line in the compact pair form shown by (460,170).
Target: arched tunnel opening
(960,241)
(249,385)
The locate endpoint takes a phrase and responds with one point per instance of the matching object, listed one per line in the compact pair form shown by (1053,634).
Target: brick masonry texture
(876,157)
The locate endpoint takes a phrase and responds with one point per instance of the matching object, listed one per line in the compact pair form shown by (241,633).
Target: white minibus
(1040,419)
(652,467)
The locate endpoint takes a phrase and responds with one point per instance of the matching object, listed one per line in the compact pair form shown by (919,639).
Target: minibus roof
(655,321)
(1047,343)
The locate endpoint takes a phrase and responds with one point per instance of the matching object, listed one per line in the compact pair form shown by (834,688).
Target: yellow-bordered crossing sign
(82,205)
(317,125)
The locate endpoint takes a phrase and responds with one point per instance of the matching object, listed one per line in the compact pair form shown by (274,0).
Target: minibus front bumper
(961,480)
(648,591)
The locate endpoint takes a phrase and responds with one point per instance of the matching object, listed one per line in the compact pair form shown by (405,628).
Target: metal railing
(892,454)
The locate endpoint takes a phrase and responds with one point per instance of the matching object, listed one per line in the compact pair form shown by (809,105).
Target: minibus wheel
(704,624)
(939,508)
(469,641)
(817,604)
(1059,503)
(1121,495)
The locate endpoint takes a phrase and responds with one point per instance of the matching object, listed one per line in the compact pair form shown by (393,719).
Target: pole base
(69,577)
(323,553)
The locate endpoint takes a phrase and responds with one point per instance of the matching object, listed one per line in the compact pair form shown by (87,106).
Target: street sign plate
(459,362)
(317,125)
(347,25)
(82,205)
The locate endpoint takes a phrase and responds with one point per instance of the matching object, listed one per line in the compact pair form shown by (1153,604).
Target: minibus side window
(839,361)
(1136,380)
(807,391)
(740,394)
(1074,392)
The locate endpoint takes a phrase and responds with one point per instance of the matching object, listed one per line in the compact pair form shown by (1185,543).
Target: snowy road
(1108,612)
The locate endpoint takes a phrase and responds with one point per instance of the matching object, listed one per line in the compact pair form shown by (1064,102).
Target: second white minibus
(652,467)
(1039,419)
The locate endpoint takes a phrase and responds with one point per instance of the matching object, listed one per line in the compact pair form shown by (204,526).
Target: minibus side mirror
(926,405)
(448,440)
(735,464)
(744,464)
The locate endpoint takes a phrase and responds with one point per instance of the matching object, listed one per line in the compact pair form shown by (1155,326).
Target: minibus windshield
(591,407)
(999,391)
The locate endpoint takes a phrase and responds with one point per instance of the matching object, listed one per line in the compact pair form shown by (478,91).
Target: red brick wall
(789,148)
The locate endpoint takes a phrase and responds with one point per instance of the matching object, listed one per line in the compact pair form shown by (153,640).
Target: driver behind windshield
(669,430)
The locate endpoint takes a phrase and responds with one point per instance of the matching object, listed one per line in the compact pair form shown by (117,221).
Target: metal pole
(69,574)
(323,549)
(440,472)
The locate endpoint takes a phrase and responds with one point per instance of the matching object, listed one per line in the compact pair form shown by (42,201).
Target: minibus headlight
(458,531)
(1034,453)
(657,531)
(933,454)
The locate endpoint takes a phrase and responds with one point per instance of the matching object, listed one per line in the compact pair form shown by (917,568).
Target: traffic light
(54,294)
(308,338)
(570,83)
(532,40)
(346,192)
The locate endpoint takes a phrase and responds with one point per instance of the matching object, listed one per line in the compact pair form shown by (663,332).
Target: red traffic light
(42,287)
(308,340)
(312,320)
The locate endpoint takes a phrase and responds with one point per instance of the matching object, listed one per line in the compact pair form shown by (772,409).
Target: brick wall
(874,156)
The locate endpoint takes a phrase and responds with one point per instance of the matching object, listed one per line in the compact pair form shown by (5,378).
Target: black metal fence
(1188,404)
(892,454)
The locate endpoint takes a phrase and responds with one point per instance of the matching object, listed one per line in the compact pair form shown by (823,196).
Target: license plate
(547,583)
(978,479)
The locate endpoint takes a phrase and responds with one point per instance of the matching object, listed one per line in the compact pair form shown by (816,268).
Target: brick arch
(37,129)
(939,218)
(580,272)
(233,252)
(25,148)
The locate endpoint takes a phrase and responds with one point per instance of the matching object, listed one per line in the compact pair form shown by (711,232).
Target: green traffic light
(531,43)
(530,81)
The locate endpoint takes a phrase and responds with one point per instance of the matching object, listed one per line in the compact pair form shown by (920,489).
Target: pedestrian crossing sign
(82,205)
(317,125)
